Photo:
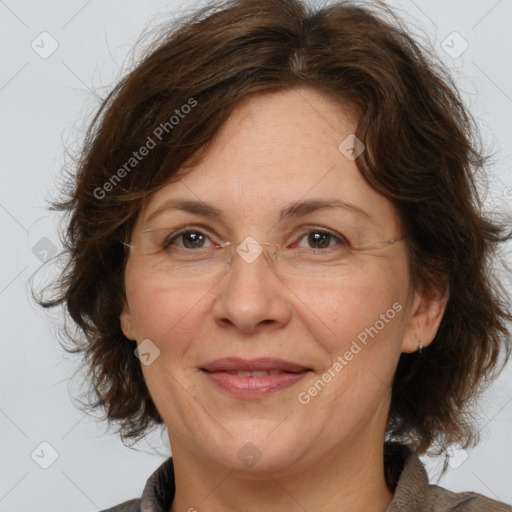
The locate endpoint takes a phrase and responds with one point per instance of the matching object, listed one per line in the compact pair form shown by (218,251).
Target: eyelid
(185,223)
(176,234)
(310,228)
(185,228)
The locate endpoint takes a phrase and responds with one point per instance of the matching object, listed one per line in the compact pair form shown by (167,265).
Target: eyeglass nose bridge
(250,250)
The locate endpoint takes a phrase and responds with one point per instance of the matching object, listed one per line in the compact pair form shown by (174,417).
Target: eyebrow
(296,209)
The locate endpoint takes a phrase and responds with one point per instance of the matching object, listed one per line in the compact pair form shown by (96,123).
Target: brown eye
(190,240)
(319,240)
(323,240)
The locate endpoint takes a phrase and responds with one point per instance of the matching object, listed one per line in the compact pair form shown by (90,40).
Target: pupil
(319,239)
(194,238)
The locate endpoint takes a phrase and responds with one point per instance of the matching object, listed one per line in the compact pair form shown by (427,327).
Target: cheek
(361,332)
(365,307)
(160,311)
(171,319)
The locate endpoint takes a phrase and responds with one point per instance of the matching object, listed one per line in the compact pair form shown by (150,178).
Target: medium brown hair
(422,155)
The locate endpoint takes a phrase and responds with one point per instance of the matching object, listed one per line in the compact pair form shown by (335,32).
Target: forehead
(277,148)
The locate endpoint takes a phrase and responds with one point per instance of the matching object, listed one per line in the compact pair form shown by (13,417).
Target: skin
(327,455)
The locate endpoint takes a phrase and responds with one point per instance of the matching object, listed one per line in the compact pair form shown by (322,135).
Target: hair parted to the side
(422,155)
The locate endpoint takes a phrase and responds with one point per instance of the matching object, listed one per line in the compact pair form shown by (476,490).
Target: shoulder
(157,495)
(413,492)
(446,501)
(127,506)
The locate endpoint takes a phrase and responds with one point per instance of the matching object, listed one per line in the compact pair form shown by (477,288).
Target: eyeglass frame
(273,256)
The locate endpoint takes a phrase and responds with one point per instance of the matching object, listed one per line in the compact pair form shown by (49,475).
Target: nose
(252,296)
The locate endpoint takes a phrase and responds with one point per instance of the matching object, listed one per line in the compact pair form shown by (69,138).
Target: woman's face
(348,321)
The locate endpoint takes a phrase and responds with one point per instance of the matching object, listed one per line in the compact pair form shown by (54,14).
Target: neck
(350,478)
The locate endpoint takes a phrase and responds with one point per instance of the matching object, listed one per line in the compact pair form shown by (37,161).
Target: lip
(250,365)
(252,387)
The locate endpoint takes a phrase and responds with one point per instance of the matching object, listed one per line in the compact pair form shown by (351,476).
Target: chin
(258,453)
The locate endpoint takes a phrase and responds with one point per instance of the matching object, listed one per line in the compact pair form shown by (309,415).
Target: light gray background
(42,101)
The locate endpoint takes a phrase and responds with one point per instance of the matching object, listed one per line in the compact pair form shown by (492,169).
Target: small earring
(420,346)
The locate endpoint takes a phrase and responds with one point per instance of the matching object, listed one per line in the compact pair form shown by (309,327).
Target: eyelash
(336,237)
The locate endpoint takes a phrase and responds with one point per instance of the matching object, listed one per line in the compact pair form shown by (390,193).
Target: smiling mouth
(253,379)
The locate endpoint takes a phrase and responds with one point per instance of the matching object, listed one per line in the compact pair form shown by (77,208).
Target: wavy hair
(423,156)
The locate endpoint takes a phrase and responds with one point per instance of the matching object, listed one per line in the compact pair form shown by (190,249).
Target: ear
(426,312)
(126,322)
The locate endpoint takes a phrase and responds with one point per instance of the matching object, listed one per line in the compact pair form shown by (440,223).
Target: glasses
(156,251)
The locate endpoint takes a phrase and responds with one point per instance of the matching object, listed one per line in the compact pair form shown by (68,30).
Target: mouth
(255,373)
(255,378)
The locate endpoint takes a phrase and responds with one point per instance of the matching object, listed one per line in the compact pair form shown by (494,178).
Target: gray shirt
(405,475)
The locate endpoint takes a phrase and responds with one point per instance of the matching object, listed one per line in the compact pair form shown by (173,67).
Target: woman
(277,250)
